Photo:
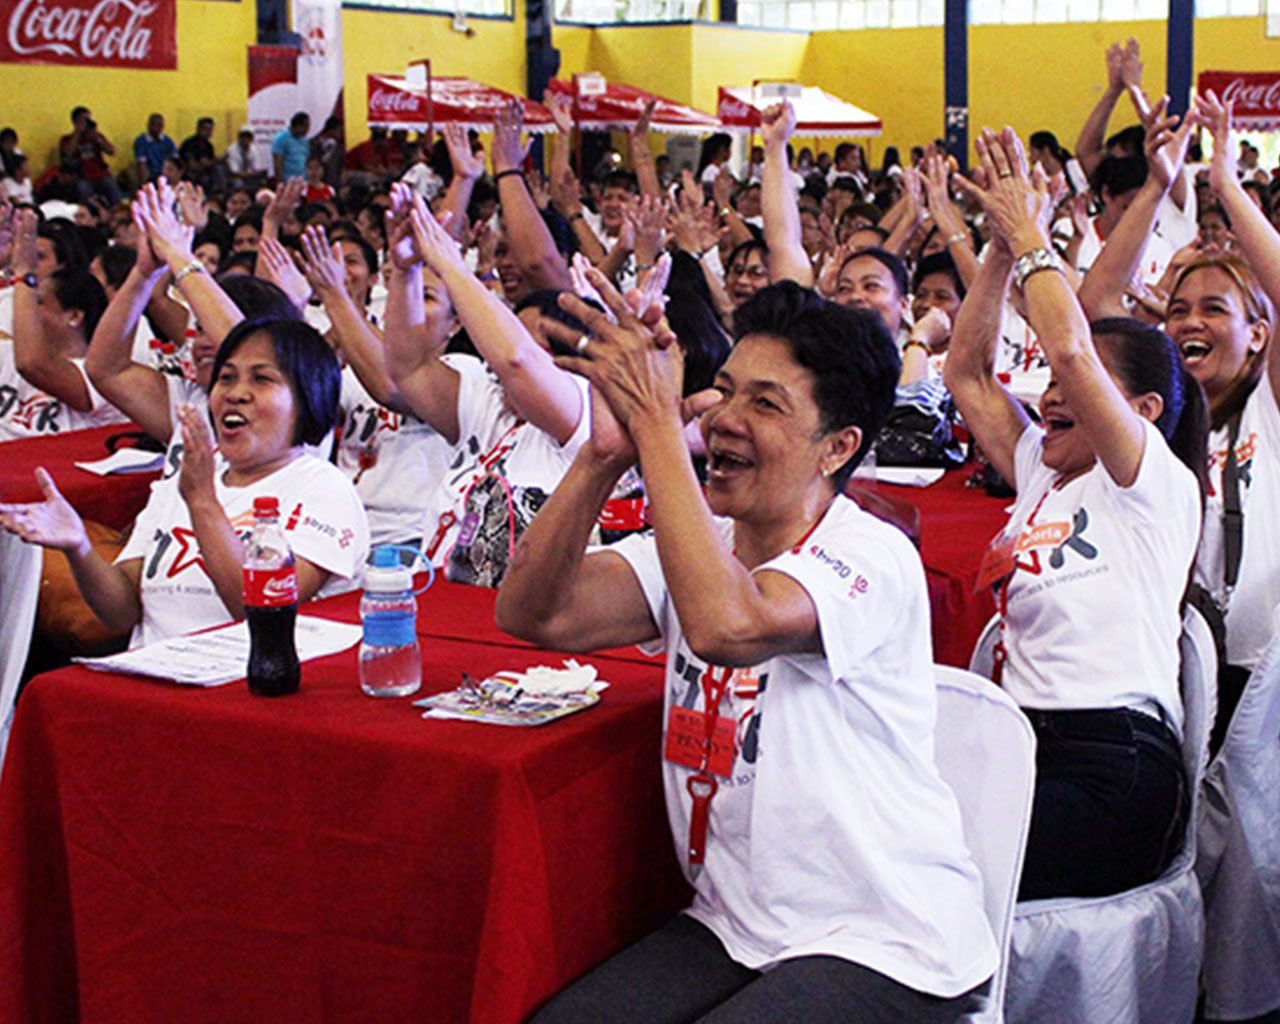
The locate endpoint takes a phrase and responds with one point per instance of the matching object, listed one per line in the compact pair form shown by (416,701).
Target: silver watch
(1032,262)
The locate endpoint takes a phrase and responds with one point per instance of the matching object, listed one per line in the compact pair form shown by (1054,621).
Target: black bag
(919,431)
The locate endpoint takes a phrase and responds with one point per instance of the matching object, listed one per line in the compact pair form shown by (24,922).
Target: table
(114,501)
(172,854)
(957,524)
(111,500)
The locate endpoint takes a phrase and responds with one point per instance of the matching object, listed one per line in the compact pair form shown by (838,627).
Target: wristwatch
(1032,262)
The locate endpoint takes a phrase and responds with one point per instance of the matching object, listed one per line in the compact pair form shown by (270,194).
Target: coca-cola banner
(1255,95)
(273,95)
(91,33)
(394,103)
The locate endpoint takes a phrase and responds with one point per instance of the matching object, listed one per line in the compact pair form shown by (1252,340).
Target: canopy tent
(1256,95)
(818,113)
(619,107)
(393,103)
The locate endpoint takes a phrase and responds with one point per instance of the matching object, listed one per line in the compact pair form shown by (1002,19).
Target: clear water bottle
(390,661)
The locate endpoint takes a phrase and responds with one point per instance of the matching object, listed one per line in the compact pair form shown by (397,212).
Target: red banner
(1255,95)
(90,33)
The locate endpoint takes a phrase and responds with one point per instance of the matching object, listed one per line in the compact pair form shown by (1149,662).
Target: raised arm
(729,615)
(467,170)
(537,389)
(994,416)
(35,356)
(359,342)
(427,385)
(787,259)
(111,591)
(1089,145)
(641,157)
(171,243)
(946,215)
(1104,286)
(284,201)
(1018,203)
(1254,234)
(911,214)
(138,391)
(531,242)
(555,594)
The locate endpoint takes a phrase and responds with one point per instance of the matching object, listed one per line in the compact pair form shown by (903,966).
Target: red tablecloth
(169,854)
(111,500)
(958,523)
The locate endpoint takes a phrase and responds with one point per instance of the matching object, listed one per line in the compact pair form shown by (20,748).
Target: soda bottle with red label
(270,604)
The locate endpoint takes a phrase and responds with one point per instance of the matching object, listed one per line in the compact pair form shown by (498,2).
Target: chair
(983,659)
(1239,853)
(985,751)
(1133,957)
(20,584)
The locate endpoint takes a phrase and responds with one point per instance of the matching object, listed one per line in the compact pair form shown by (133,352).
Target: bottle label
(270,588)
(389,629)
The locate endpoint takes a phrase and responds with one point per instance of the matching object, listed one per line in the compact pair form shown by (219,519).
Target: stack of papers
(221,655)
(534,697)
(125,460)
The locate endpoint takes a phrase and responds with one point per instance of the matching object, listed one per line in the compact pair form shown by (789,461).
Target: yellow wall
(1030,76)
(384,42)
(211,81)
(896,74)
(738,56)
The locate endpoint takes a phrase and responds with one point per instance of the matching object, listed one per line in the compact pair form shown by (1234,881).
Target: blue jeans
(1111,803)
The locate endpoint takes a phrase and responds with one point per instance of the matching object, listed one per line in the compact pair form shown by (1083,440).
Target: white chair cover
(985,751)
(20,591)
(983,660)
(1239,853)
(1134,957)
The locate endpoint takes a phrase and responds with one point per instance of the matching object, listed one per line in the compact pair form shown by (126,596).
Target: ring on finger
(581,346)
(1006,174)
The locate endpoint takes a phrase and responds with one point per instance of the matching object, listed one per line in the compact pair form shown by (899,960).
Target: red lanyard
(702,785)
(1000,654)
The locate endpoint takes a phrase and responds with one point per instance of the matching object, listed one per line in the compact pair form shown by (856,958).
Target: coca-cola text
(127,33)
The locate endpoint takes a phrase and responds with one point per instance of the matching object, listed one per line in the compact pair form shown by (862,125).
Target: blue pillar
(1181,48)
(956,78)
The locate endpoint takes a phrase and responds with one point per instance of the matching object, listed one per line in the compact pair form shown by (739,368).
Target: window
(611,12)
(810,15)
(498,8)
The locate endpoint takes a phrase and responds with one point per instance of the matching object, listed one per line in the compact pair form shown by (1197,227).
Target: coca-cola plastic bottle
(270,604)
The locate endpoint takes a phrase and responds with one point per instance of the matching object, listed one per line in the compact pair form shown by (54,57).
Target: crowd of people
(633,397)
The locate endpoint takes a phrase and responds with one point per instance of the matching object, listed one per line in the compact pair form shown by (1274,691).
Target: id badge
(997,562)
(687,740)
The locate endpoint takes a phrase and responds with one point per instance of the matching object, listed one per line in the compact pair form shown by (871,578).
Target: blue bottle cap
(386,557)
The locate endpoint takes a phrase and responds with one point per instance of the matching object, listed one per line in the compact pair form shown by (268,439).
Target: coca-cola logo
(109,31)
(394,101)
(281,589)
(1258,96)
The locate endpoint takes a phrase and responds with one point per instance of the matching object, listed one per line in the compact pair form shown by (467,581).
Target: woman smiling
(274,389)
(830,876)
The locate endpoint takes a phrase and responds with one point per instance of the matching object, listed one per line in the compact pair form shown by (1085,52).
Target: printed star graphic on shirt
(188,552)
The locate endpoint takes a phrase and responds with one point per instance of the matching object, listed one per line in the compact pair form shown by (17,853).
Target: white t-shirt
(26,411)
(322,518)
(1257,590)
(1155,258)
(16,191)
(421,178)
(835,834)
(492,438)
(393,458)
(1094,614)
